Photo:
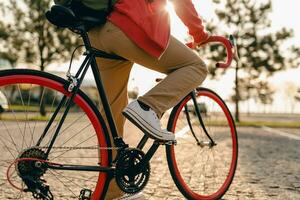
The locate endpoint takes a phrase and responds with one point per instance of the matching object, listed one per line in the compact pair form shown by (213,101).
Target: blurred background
(262,90)
(265,81)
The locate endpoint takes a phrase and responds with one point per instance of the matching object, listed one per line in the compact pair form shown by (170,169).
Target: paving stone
(265,170)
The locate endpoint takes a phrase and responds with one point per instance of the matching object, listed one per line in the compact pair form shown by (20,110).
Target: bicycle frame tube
(104,99)
(68,104)
(90,60)
(83,65)
(100,87)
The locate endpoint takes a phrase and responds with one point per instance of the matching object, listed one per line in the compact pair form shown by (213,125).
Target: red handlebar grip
(226,43)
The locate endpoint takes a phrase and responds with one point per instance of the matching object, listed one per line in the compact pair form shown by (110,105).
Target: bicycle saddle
(65,17)
(62,17)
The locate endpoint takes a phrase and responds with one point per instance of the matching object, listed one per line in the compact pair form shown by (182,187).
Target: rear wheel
(32,98)
(200,169)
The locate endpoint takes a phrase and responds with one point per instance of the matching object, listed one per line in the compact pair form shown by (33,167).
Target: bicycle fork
(209,143)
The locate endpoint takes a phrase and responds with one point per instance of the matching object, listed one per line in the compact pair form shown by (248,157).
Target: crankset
(128,179)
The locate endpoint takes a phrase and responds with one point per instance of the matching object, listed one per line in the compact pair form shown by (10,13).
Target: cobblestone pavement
(268,168)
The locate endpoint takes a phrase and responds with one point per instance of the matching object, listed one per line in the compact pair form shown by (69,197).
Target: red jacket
(147,22)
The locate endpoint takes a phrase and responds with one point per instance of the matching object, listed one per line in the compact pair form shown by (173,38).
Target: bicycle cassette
(127,177)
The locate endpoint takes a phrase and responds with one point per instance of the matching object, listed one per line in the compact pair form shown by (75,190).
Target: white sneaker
(137,196)
(147,121)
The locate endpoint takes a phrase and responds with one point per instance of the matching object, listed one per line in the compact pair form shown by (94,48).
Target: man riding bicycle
(139,31)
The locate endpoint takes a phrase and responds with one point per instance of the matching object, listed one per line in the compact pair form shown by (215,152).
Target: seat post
(86,40)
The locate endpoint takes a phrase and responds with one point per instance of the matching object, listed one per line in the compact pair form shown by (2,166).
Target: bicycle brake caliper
(73,83)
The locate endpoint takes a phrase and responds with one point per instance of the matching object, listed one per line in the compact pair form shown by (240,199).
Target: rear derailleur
(37,187)
(31,171)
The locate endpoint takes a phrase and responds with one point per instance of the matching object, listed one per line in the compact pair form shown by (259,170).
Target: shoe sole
(134,118)
(138,196)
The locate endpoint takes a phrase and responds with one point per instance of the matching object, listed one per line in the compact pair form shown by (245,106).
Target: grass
(17,108)
(273,124)
(254,123)
(250,122)
(24,118)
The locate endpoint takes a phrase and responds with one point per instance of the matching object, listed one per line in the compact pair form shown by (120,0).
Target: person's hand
(203,41)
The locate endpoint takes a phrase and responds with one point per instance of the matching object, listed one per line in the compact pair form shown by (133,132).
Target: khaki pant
(184,68)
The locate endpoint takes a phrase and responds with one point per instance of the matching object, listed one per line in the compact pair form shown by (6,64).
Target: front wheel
(32,97)
(202,166)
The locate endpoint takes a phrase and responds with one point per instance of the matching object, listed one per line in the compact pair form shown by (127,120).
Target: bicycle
(67,152)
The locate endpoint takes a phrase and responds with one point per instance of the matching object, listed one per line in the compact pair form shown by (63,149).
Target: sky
(285,14)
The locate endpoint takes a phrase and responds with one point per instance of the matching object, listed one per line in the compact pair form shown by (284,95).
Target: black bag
(89,16)
(84,12)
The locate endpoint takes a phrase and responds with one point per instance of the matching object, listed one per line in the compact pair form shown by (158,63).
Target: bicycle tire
(209,175)
(83,139)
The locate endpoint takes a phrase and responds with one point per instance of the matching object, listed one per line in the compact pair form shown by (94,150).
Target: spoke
(15,177)
(214,168)
(62,183)
(53,129)
(72,123)
(40,103)
(69,180)
(4,165)
(23,105)
(53,101)
(81,179)
(14,114)
(73,136)
(9,135)
(75,146)
(26,110)
(21,192)
(8,149)
(206,170)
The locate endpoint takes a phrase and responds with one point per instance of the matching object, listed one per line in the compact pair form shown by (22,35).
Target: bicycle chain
(77,148)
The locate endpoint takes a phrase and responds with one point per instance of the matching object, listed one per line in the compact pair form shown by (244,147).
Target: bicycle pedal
(85,194)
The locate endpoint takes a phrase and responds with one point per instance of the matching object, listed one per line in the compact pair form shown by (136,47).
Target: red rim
(32,79)
(233,164)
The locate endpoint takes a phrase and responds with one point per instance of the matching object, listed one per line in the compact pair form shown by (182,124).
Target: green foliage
(260,47)
(26,35)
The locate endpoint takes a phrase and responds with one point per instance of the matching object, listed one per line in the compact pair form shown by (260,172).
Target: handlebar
(227,43)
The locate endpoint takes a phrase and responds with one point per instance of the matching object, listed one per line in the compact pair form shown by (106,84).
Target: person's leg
(114,75)
(185,69)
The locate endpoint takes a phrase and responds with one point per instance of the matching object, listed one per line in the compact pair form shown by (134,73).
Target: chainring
(127,179)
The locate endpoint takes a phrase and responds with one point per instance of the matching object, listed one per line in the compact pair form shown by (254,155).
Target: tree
(290,90)
(8,52)
(28,37)
(259,47)
(297,96)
